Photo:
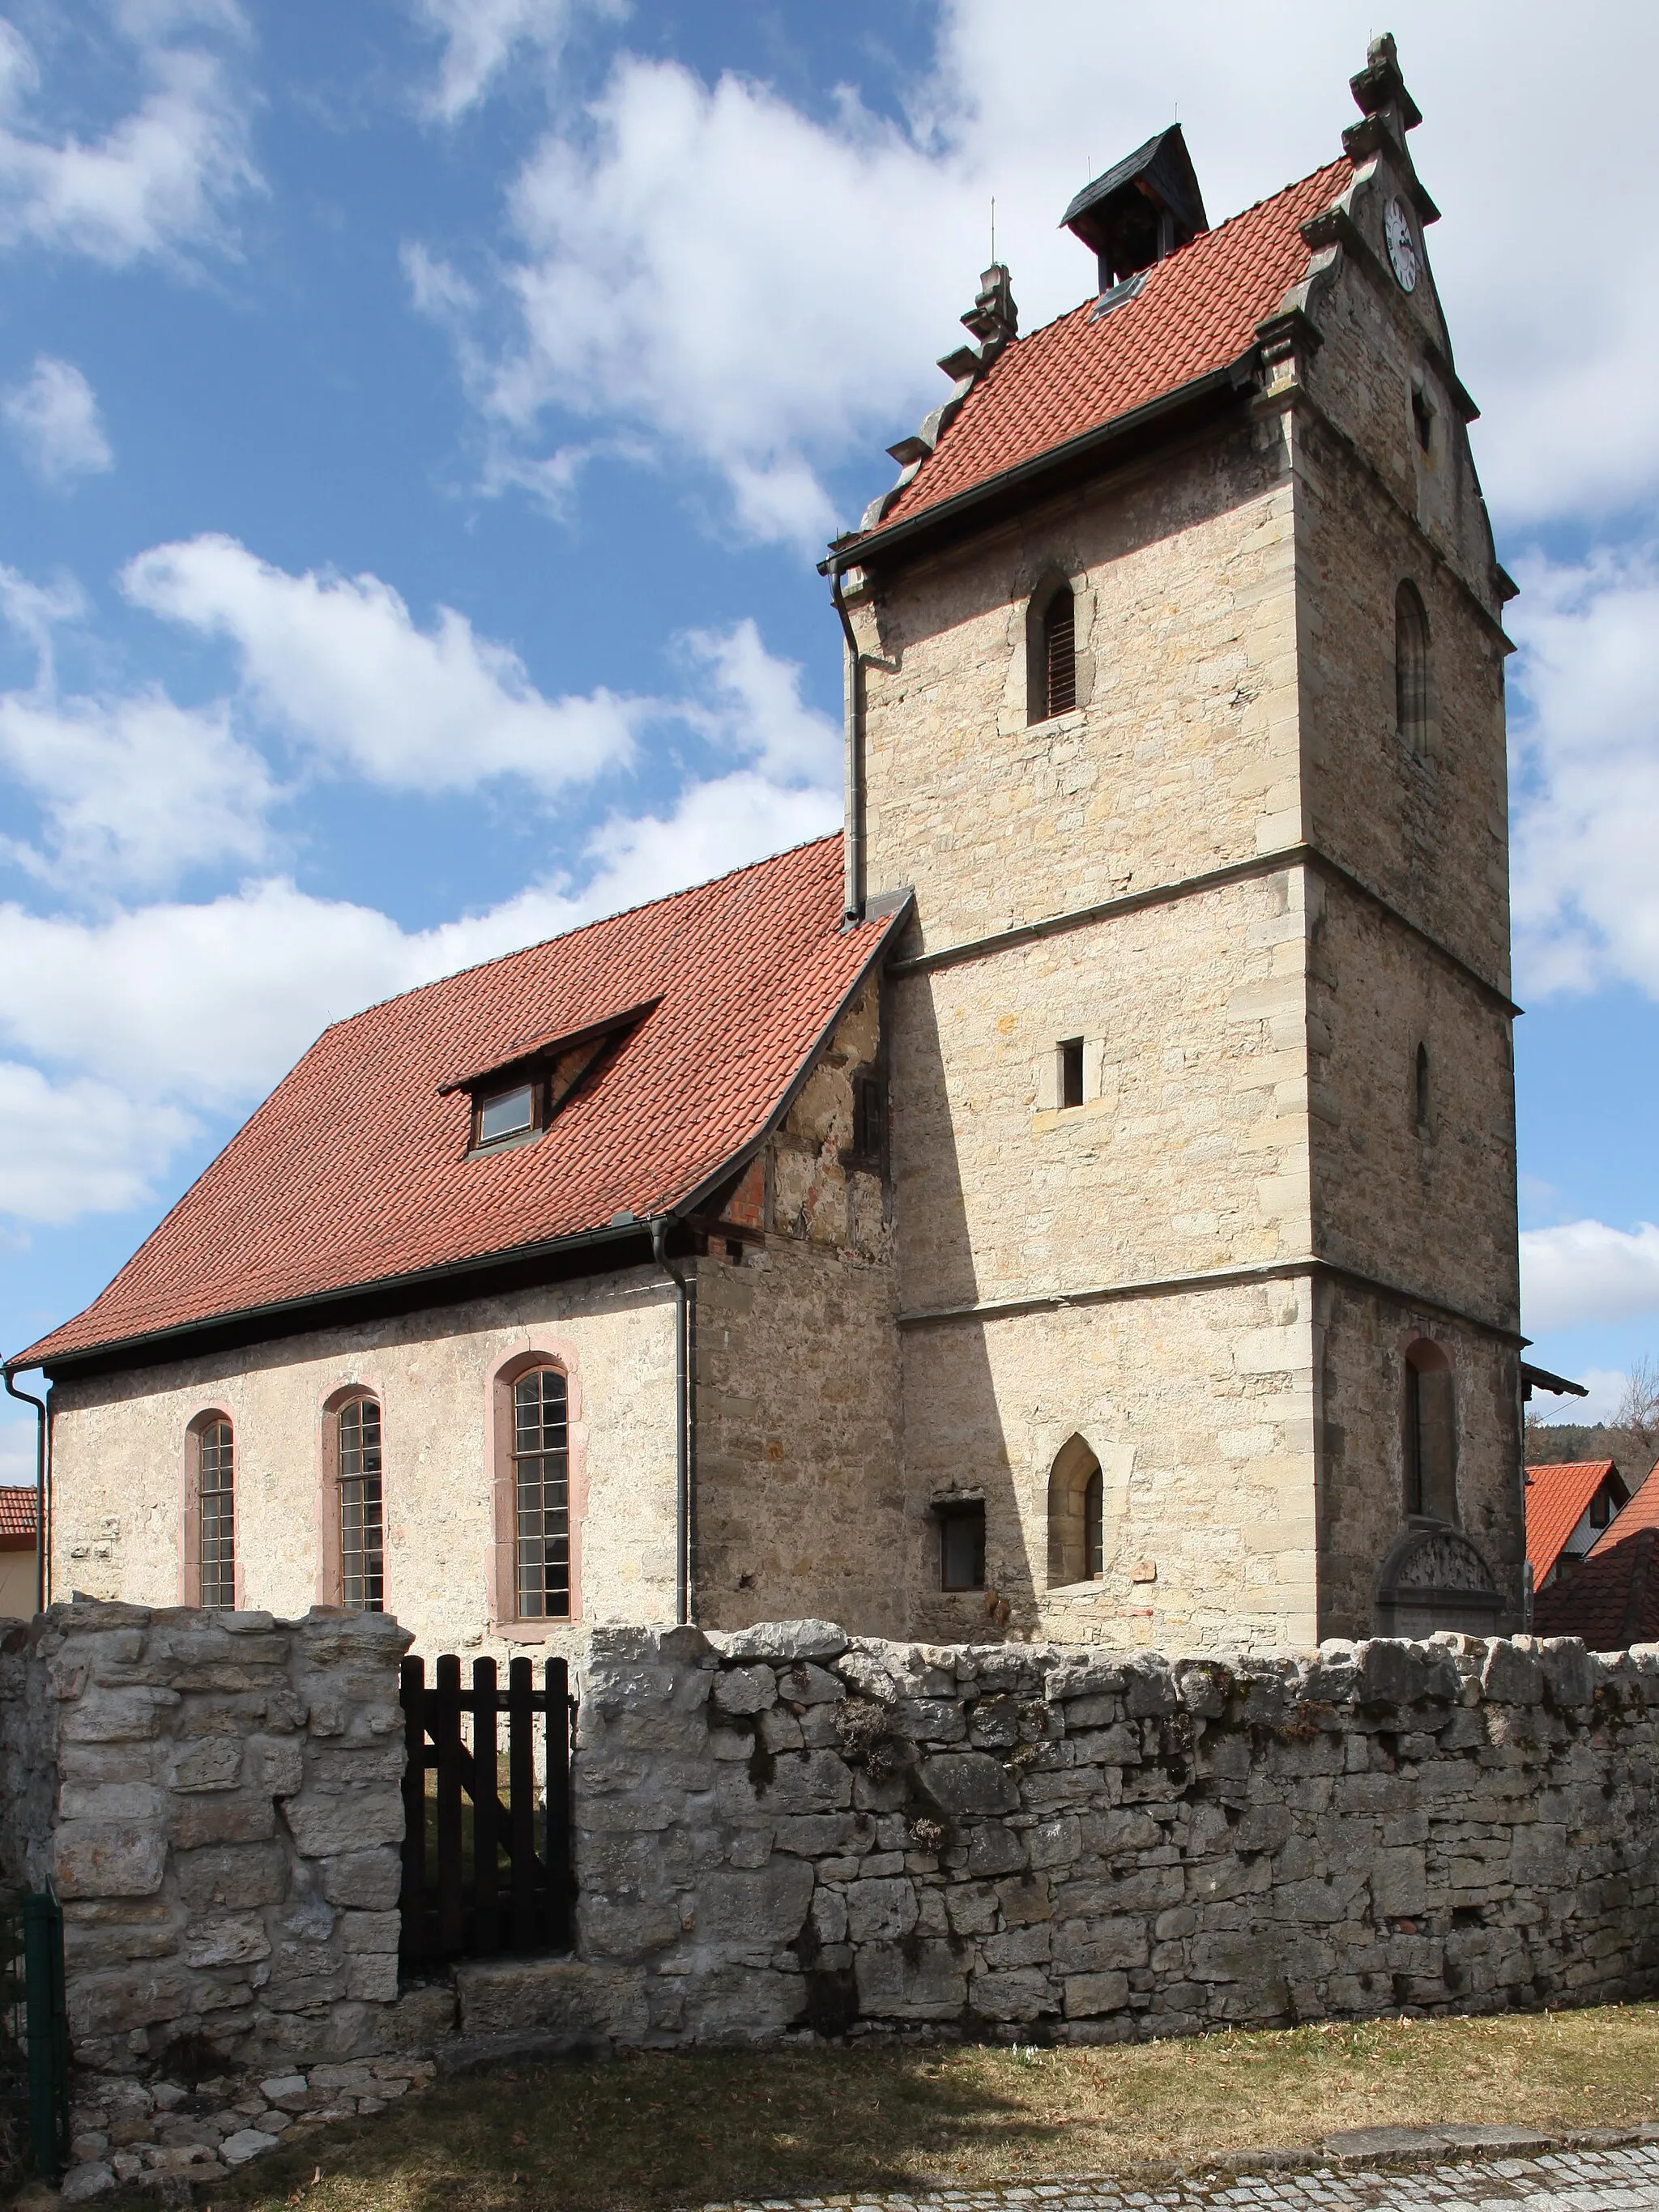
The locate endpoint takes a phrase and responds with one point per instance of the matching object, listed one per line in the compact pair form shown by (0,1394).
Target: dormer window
(519,1093)
(505,1113)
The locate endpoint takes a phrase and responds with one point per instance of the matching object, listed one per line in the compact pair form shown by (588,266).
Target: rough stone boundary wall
(215,1799)
(782,1828)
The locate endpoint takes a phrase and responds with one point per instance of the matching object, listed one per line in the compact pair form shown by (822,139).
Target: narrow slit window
(541,1485)
(506,1114)
(962,1546)
(1094,1526)
(868,1117)
(1422,422)
(1411,670)
(216,1476)
(362,1552)
(1422,1088)
(1059,655)
(1071,1072)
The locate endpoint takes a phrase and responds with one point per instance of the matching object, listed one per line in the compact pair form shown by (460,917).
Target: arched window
(1411,669)
(1422,1089)
(358,1475)
(1051,681)
(1431,1435)
(541,1494)
(1077,1535)
(210,1512)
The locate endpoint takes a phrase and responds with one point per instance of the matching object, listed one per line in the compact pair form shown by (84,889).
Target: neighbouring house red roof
(353,1170)
(1610,1598)
(1642,1512)
(1196,311)
(1557,1497)
(18,1523)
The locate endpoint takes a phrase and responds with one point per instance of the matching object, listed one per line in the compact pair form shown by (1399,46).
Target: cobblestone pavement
(1624,2178)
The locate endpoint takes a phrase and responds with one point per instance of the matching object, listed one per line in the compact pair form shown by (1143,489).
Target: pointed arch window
(1411,669)
(1430,1438)
(1076,1501)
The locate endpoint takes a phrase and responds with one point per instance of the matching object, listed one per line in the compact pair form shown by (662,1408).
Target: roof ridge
(1216,230)
(563,936)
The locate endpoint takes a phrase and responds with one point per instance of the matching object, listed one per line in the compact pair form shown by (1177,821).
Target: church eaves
(357,1172)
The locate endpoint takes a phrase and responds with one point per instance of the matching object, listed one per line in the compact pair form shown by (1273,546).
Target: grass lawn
(669,2129)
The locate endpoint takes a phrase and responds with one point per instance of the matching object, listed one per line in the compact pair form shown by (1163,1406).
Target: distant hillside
(1549,1443)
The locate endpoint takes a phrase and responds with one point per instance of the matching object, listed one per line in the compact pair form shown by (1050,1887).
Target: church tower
(1176,705)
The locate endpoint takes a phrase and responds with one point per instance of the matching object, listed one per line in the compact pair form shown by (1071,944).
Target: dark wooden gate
(485,1873)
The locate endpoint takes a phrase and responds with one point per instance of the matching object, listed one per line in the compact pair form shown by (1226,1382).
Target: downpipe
(42,1462)
(853,796)
(683,1326)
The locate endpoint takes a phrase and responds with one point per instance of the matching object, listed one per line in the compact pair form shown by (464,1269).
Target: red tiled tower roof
(1557,1497)
(1610,1598)
(353,1170)
(1196,311)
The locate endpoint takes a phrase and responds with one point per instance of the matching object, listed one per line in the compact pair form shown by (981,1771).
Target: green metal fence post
(48,2034)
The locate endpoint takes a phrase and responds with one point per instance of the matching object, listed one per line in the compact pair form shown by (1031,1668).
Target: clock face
(1402,247)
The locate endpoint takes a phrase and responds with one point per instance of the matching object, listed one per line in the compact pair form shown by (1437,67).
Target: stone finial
(1379,87)
(993,318)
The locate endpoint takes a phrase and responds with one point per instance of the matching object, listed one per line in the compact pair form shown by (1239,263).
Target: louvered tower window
(1059,655)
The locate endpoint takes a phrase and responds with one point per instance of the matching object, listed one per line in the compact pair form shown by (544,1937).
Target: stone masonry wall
(792,1830)
(215,1799)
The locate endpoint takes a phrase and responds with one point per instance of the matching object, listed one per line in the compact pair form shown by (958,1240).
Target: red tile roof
(354,1169)
(1556,1500)
(1610,1598)
(1642,1512)
(1197,311)
(17,1516)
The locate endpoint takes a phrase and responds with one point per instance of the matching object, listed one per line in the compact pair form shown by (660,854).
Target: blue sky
(419,420)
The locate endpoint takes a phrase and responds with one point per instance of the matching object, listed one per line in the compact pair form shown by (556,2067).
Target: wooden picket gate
(478,1879)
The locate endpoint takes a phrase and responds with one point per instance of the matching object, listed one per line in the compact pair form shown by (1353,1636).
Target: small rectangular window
(1423,421)
(1071,1072)
(962,1546)
(506,1114)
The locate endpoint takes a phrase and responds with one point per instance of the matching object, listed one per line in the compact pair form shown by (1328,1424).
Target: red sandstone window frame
(331,1579)
(506,1621)
(189,1533)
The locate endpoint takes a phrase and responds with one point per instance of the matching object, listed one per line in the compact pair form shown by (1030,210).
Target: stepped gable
(1194,312)
(355,1170)
(1557,1497)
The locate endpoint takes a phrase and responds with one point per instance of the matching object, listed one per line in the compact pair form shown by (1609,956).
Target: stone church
(1079,1201)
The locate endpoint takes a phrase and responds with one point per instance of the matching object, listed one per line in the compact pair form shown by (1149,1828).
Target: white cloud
(481,37)
(134,790)
(208,1003)
(759,707)
(54,421)
(1584,1271)
(161,180)
(67,1149)
(339,664)
(1586,735)
(759,289)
